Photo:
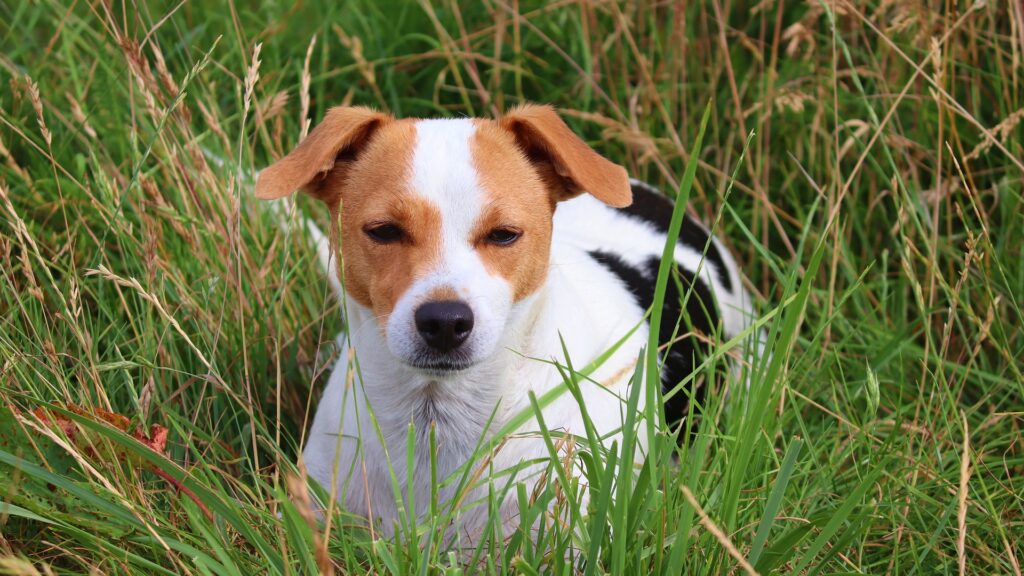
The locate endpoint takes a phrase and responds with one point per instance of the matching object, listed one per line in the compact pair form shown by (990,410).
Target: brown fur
(359,163)
(516,197)
(376,190)
(547,140)
(442,294)
(343,130)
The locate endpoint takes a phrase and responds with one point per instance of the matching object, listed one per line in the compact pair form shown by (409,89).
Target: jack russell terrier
(462,281)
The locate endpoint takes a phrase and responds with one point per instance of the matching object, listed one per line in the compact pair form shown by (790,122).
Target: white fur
(635,241)
(443,174)
(581,303)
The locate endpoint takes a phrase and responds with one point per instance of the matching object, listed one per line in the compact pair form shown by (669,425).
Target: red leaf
(61,421)
(157,439)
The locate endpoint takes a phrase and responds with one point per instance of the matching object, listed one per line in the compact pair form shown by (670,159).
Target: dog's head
(445,225)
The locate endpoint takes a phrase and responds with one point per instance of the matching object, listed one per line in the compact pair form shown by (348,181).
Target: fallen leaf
(155,440)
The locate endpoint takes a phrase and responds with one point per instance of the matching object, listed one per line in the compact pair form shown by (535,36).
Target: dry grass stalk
(20,567)
(304,82)
(271,107)
(79,115)
(134,284)
(718,533)
(143,76)
(1014,563)
(1002,131)
(214,124)
(299,495)
(366,69)
(252,76)
(165,75)
(26,241)
(961,515)
(37,105)
(13,165)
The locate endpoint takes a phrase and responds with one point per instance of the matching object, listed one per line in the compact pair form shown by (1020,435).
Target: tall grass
(872,158)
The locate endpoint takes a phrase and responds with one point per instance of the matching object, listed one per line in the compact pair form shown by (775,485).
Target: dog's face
(445,225)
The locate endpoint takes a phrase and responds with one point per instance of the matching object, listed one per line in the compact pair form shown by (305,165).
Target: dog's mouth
(440,366)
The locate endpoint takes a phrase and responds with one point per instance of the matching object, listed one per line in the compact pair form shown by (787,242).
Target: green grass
(864,163)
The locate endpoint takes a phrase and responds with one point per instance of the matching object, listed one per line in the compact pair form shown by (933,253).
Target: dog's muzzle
(444,326)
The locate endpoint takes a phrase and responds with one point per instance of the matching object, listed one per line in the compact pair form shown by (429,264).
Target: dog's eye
(503,236)
(384,233)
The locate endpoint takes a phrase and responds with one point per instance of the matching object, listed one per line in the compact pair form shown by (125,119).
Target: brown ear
(547,141)
(343,130)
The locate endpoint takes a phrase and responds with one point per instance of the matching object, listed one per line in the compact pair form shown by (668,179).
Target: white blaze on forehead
(443,172)
(444,175)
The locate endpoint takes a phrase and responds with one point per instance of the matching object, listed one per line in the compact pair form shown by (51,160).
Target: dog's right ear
(337,138)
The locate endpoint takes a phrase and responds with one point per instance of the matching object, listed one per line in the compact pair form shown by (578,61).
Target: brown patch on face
(442,294)
(517,198)
(373,190)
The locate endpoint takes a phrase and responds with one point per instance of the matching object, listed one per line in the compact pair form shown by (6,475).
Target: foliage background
(877,210)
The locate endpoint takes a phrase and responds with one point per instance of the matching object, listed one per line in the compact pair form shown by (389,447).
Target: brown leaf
(116,420)
(61,421)
(157,439)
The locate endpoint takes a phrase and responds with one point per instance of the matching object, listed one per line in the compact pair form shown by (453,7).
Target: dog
(471,251)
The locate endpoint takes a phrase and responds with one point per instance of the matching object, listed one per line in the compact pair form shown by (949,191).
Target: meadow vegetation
(862,160)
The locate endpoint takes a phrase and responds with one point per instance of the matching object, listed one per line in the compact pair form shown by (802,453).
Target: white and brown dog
(459,274)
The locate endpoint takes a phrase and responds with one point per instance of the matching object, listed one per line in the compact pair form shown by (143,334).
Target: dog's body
(455,346)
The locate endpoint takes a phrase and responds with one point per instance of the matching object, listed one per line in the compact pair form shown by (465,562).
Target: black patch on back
(635,280)
(650,206)
(656,209)
(700,316)
(686,352)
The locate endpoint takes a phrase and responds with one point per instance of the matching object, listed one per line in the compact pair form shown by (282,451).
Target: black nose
(444,326)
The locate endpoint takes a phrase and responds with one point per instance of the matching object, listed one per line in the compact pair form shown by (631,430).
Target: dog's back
(704,300)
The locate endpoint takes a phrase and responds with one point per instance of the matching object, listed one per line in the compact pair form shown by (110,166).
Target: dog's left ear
(550,144)
(337,139)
